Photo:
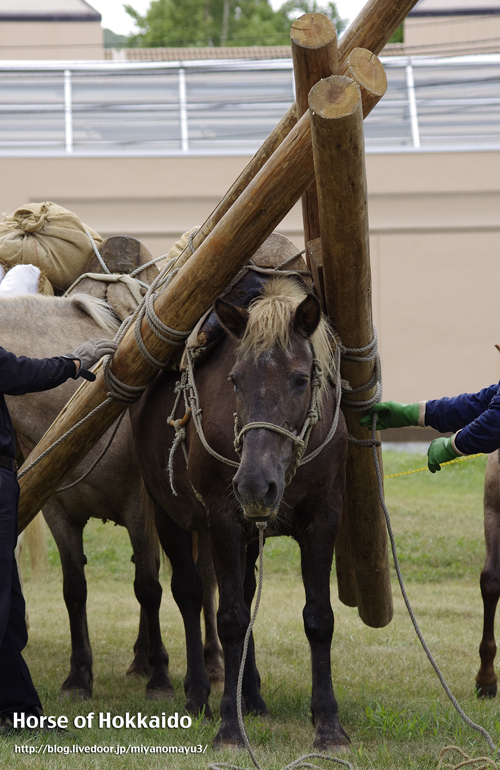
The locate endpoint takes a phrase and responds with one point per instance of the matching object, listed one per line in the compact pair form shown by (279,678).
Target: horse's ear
(234,319)
(307,316)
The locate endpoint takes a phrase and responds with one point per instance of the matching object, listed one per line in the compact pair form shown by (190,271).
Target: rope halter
(300,441)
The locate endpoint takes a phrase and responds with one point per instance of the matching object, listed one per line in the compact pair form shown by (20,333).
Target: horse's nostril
(271,494)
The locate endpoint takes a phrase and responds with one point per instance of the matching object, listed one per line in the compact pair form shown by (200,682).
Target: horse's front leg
(316,547)
(232,617)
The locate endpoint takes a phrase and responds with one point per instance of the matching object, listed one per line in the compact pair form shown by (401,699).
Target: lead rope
(302,761)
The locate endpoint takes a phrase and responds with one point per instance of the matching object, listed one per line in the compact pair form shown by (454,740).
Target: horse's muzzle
(259,498)
(256,513)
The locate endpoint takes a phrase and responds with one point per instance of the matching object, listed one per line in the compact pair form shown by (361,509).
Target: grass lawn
(391,703)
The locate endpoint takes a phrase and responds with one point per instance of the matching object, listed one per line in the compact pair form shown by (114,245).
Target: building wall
(64,40)
(435,244)
(426,32)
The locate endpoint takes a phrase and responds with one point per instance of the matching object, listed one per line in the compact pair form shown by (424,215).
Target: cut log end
(367,70)
(335,97)
(313,30)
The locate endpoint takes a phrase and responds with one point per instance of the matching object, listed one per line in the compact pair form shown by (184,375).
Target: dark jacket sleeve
(29,375)
(476,415)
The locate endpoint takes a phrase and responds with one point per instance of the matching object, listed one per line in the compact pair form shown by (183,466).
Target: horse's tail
(34,541)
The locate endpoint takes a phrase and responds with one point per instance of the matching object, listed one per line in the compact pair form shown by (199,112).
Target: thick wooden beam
(315,56)
(338,148)
(366,69)
(253,216)
(371,29)
(374,26)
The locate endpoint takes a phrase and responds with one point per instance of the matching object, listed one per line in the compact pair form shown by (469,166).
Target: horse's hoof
(257,710)
(155,693)
(331,747)
(486,691)
(332,741)
(77,693)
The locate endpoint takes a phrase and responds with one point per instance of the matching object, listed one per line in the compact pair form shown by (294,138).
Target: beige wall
(427,31)
(64,40)
(435,239)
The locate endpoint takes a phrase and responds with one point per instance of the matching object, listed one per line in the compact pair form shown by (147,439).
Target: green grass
(391,703)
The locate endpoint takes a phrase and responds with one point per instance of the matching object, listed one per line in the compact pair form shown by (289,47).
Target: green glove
(390,414)
(440,451)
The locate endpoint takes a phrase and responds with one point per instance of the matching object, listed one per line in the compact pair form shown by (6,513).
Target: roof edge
(91,16)
(457,12)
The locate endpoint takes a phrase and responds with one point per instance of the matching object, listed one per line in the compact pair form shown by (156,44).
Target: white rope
(97,253)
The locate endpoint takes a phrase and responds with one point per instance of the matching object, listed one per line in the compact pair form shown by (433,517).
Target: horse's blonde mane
(96,309)
(269,322)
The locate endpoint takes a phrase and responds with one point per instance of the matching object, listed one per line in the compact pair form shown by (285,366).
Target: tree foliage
(181,23)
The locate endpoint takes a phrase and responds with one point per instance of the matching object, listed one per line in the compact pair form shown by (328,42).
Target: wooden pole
(315,56)
(254,215)
(338,148)
(371,29)
(366,69)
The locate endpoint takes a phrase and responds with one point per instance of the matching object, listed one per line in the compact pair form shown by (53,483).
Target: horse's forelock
(270,322)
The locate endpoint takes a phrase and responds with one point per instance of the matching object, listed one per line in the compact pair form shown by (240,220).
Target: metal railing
(229,107)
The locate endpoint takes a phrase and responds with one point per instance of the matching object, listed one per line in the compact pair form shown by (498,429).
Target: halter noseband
(300,441)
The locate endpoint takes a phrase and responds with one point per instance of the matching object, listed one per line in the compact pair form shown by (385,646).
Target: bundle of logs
(317,152)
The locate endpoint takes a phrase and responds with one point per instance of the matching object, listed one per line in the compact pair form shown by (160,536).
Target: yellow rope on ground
(418,470)
(468,761)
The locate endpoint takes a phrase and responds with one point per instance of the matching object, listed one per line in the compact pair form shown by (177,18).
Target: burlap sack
(180,245)
(50,237)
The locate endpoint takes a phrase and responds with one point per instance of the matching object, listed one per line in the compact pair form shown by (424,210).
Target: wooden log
(370,77)
(374,26)
(371,29)
(253,216)
(338,148)
(315,56)
(366,69)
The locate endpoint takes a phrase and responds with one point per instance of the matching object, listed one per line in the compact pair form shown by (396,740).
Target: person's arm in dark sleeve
(483,433)
(452,414)
(20,375)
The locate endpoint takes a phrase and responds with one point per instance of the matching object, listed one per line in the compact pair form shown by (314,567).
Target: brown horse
(266,371)
(486,679)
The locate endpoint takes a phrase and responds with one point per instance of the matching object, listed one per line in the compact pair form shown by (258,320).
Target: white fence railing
(229,107)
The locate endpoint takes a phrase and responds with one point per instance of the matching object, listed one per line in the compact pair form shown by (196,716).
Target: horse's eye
(233,380)
(301,382)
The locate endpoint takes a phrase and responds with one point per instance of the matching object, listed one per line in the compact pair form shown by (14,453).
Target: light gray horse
(38,326)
